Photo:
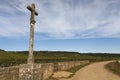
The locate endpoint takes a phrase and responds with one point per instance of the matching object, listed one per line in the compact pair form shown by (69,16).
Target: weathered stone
(36,71)
(9,73)
(32,22)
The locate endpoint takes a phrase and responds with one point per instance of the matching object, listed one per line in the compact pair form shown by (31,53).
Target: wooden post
(32,23)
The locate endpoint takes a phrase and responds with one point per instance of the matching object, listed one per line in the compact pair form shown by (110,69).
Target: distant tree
(2,50)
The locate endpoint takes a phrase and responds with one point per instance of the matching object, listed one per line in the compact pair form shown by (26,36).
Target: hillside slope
(9,58)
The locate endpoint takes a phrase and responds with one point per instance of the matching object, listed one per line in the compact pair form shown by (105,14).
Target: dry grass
(114,67)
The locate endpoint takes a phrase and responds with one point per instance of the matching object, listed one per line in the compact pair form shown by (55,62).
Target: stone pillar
(28,71)
(32,22)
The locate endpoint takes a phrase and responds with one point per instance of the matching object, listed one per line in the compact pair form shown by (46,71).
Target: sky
(62,25)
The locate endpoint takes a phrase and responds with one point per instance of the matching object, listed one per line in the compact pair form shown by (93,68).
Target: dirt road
(95,71)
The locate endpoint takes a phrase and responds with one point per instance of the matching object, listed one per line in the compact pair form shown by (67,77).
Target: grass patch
(113,67)
(75,69)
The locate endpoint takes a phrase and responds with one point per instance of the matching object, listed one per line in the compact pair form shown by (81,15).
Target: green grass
(114,67)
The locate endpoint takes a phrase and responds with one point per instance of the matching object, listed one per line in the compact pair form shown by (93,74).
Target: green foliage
(20,57)
(10,59)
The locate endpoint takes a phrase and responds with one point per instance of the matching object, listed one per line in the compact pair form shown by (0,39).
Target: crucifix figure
(32,22)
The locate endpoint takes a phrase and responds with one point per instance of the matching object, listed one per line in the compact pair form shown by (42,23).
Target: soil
(95,71)
(61,74)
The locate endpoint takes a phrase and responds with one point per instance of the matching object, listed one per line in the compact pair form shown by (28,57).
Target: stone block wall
(47,70)
(27,71)
(68,65)
(9,73)
(36,71)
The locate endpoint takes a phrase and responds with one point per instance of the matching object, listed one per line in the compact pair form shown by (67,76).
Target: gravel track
(95,71)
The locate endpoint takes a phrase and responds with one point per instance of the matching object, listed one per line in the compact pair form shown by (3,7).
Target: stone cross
(32,22)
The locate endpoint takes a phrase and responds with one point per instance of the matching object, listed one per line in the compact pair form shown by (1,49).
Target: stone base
(30,72)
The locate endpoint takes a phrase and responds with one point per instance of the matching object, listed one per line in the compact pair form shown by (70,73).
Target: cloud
(63,19)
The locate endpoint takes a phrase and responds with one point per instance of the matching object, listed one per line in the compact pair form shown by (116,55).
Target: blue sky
(65,25)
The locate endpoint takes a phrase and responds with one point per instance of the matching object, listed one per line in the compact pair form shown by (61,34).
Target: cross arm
(32,8)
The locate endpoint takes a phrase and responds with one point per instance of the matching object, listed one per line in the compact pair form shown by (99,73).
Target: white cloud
(9,29)
(65,19)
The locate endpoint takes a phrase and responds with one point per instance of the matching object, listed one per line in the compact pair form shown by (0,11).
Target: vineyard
(11,58)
